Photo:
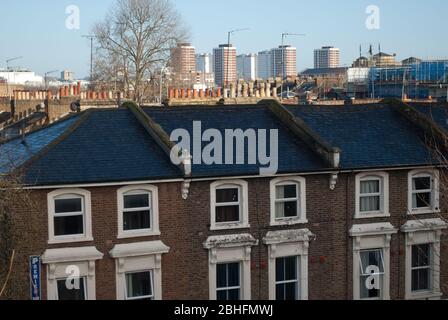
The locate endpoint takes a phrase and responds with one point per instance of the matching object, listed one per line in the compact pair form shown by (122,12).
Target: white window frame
(231,249)
(301,189)
(86,196)
(383,178)
(64,279)
(380,274)
(434,175)
(288,243)
(419,232)
(139,257)
(243,202)
(58,261)
(296,281)
(151,275)
(430,267)
(375,236)
(231,288)
(154,211)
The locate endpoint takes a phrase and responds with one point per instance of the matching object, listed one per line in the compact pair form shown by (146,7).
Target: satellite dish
(40,107)
(75,106)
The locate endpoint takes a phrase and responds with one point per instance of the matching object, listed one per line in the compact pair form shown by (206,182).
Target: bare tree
(137,36)
(12,196)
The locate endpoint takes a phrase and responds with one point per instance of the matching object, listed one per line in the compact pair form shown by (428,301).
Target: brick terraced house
(357,192)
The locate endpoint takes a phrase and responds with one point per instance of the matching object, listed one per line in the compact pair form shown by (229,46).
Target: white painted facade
(22,77)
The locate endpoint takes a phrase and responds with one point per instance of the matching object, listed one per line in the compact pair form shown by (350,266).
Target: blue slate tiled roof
(15,153)
(370,136)
(294,155)
(437,113)
(111,145)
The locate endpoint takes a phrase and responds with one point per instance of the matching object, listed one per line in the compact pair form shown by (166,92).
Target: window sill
(288,222)
(414,212)
(424,296)
(370,215)
(70,240)
(138,234)
(229,226)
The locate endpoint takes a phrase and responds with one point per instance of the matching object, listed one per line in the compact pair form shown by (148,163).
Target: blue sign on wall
(35,273)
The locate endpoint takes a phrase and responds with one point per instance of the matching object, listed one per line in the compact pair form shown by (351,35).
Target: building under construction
(419,80)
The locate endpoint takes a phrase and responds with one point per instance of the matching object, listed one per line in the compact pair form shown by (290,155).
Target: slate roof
(15,153)
(372,136)
(438,113)
(110,145)
(294,155)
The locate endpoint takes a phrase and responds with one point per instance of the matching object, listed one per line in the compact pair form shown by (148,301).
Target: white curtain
(370,203)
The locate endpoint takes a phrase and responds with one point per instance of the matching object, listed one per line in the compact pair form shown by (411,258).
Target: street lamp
(46,74)
(229,34)
(7,69)
(284,35)
(91,57)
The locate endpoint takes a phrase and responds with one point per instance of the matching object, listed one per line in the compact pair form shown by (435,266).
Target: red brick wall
(185,227)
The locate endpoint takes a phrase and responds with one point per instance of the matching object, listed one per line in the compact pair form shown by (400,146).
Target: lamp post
(7,69)
(229,34)
(90,37)
(284,35)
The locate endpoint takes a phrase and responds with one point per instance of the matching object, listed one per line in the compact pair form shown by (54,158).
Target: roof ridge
(83,117)
(329,153)
(202,107)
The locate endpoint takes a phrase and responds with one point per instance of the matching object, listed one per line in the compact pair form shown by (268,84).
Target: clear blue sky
(36,29)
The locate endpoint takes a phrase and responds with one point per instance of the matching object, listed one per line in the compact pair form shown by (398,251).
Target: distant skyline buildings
(204,63)
(183,60)
(285,61)
(326,57)
(224,58)
(247,66)
(66,49)
(274,63)
(265,64)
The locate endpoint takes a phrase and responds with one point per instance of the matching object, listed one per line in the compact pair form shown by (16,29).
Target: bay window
(139,270)
(371,274)
(423,239)
(421,267)
(287,278)
(371,260)
(230,266)
(139,285)
(288,263)
(228,284)
(70,273)
(78,293)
